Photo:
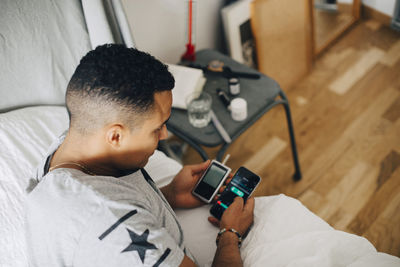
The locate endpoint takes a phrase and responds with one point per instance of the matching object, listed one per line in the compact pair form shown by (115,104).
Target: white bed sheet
(285,233)
(25,135)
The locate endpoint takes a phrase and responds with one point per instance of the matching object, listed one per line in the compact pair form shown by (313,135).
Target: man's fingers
(237,203)
(227,181)
(249,206)
(239,200)
(200,167)
(214,221)
(221,189)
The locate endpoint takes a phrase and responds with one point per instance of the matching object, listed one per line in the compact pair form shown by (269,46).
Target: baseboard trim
(371,13)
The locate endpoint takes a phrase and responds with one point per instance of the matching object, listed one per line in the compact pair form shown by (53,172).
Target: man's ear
(114,135)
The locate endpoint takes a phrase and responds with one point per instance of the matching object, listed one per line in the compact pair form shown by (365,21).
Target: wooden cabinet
(282,31)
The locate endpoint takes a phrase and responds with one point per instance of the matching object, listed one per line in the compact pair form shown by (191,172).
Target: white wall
(383,6)
(345,1)
(158,26)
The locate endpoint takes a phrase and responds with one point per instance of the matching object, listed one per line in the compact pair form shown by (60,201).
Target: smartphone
(208,185)
(242,184)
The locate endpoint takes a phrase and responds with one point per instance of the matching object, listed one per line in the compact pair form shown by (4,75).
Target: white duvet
(285,233)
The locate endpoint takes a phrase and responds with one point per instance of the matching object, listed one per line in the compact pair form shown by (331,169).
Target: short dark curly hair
(114,82)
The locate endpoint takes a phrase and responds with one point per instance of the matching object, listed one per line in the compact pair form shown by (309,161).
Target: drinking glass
(198,108)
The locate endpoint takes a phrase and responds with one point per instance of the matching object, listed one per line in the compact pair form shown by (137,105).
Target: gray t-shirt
(74,219)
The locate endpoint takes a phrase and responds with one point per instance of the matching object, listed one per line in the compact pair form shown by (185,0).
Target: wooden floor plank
(301,101)
(383,38)
(332,60)
(335,150)
(376,205)
(355,72)
(389,165)
(392,56)
(313,201)
(265,154)
(337,196)
(373,24)
(384,233)
(393,112)
(368,88)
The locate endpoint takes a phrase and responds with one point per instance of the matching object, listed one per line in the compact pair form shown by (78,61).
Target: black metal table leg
(222,151)
(297,175)
(193,144)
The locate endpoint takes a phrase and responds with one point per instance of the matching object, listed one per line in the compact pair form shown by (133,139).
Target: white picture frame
(238,35)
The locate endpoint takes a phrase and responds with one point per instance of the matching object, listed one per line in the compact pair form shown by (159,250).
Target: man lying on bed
(95,205)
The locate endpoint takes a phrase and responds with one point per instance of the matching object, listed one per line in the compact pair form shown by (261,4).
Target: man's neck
(85,152)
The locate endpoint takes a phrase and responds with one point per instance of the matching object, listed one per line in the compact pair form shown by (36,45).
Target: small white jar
(239,109)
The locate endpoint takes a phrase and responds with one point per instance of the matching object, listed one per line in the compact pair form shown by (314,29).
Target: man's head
(122,97)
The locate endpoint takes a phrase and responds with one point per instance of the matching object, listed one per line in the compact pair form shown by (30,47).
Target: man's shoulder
(65,197)
(63,187)
(58,193)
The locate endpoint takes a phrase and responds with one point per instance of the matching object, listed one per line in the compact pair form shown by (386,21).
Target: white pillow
(41,43)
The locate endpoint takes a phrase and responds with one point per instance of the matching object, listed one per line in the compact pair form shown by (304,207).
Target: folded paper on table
(187,81)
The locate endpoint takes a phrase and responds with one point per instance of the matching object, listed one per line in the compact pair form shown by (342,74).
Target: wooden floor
(346,117)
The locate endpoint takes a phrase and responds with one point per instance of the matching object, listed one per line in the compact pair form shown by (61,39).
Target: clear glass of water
(198,108)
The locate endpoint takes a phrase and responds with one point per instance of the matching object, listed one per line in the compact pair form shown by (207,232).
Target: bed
(41,43)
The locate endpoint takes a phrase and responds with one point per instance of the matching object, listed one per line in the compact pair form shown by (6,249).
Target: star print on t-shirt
(139,243)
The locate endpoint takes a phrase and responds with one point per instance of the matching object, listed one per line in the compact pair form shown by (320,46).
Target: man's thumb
(201,166)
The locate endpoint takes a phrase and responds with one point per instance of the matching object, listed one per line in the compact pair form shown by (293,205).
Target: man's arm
(239,217)
(227,253)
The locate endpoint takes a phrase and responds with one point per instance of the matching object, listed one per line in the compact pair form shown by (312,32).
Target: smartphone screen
(242,185)
(211,181)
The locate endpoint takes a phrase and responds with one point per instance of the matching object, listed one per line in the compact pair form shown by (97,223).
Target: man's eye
(160,128)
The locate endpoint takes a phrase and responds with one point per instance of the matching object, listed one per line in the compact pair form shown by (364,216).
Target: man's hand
(179,191)
(238,216)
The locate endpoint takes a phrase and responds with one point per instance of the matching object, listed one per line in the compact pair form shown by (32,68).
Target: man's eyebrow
(165,121)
